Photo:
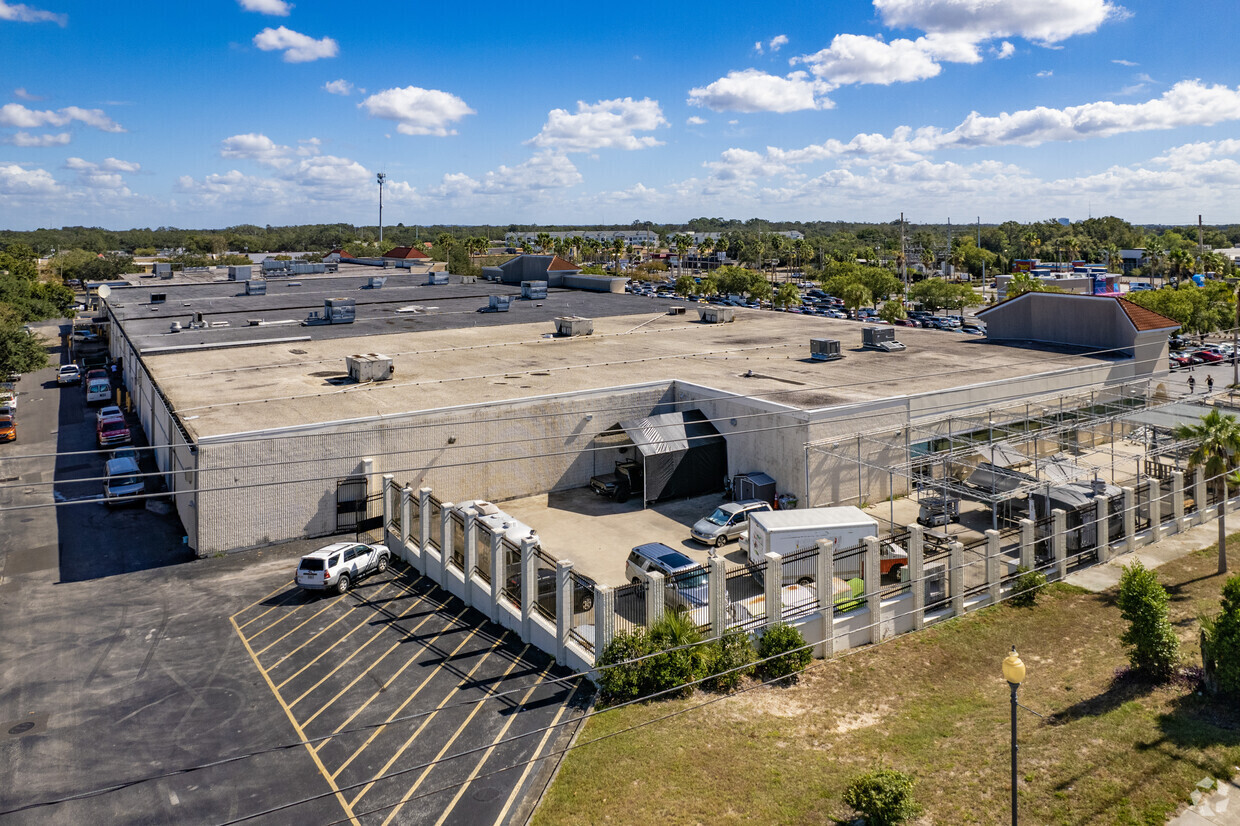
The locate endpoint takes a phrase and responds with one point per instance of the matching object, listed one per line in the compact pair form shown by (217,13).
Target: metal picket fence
(630,607)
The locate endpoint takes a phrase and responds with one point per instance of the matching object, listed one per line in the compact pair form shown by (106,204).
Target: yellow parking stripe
(348,810)
(516,789)
(399,642)
(330,604)
(260,599)
(425,681)
(341,618)
(427,719)
(512,718)
(283,601)
(444,750)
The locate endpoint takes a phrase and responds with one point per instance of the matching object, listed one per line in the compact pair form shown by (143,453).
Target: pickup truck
(619,485)
(112,431)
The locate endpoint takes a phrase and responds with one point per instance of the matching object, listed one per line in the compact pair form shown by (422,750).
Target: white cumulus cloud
(777,42)
(17,180)
(27,139)
(256,147)
(752,90)
(338,87)
(276,8)
(694,120)
(418,111)
(1047,22)
(14,114)
(21,13)
(608,124)
(544,171)
(297,47)
(105,175)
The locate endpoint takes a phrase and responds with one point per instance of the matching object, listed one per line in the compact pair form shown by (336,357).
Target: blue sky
(223,112)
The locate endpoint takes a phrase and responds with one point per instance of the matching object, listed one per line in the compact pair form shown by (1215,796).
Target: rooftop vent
(174,327)
(572,325)
(434,279)
(376,281)
(533,289)
(256,286)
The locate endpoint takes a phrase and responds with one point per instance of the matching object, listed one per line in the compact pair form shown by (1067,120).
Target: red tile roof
(558,263)
(1144,319)
(405,253)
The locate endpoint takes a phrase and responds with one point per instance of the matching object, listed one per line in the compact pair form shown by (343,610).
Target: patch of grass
(1111,748)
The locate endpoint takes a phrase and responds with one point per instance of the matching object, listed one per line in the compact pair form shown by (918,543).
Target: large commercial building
(261,430)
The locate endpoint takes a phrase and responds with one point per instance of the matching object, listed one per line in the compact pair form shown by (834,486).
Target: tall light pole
(1014,673)
(382,176)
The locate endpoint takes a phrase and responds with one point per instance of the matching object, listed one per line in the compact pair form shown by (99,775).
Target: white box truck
(784,532)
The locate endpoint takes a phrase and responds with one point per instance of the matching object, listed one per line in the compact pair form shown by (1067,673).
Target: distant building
(405,254)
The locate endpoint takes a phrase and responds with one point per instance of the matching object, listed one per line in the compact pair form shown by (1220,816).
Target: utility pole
(1201,245)
(903,256)
(382,176)
(947,262)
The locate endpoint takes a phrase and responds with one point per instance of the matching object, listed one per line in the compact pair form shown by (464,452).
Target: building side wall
(1096,323)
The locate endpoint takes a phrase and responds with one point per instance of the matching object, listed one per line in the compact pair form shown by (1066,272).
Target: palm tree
(617,248)
(1030,241)
(1181,261)
(446,242)
(1023,282)
(1218,438)
(1155,252)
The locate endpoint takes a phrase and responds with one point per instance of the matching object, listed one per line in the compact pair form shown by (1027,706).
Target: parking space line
(260,599)
(379,633)
(425,680)
(529,766)
(321,633)
(298,625)
(448,743)
(399,642)
(512,718)
(348,810)
(427,719)
(279,604)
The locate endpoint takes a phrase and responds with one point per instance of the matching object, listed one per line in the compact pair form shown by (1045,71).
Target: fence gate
(350,503)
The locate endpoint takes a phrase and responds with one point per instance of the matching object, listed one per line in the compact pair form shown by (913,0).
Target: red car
(112,431)
(1209,356)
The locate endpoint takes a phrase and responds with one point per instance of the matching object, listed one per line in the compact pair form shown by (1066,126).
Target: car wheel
(805,580)
(342,584)
(895,572)
(721,540)
(636,580)
(587,602)
(383,564)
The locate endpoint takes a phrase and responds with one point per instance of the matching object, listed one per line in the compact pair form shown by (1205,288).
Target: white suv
(339,565)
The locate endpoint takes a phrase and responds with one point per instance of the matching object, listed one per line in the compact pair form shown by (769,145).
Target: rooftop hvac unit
(370,367)
(880,338)
(159,298)
(468,279)
(256,286)
(935,584)
(717,315)
(574,326)
(533,289)
(376,281)
(675,310)
(496,304)
(239,273)
(436,279)
(339,310)
(163,270)
(824,349)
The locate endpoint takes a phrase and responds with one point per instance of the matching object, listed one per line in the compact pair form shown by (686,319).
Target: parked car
(84,335)
(127,452)
(8,425)
(1182,360)
(69,374)
(336,567)
(583,592)
(111,411)
(727,522)
(1208,356)
(123,482)
(112,431)
(687,587)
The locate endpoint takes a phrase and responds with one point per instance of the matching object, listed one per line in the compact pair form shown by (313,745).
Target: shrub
(777,640)
(1027,586)
(1221,641)
(675,629)
(1153,648)
(731,651)
(884,796)
(622,683)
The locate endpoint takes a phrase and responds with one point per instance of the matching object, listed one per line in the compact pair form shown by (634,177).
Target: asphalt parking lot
(213,691)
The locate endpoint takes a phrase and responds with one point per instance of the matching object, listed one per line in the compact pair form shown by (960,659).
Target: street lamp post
(1014,673)
(382,176)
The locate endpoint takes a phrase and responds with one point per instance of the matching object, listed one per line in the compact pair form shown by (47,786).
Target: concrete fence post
(825,577)
(873,576)
(389,501)
(717,595)
(1200,498)
(1102,528)
(654,597)
(955,562)
(563,607)
(499,573)
(424,523)
(1027,544)
(604,618)
(445,541)
(1130,519)
(469,554)
(1154,488)
(993,578)
(1059,541)
(1177,499)
(917,574)
(774,599)
(406,523)
(529,586)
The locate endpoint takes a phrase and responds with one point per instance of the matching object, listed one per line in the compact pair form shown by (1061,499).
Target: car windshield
(311,564)
(719,517)
(690,579)
(124,480)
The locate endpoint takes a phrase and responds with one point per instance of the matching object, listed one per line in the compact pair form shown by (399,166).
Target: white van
(98,390)
(123,482)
